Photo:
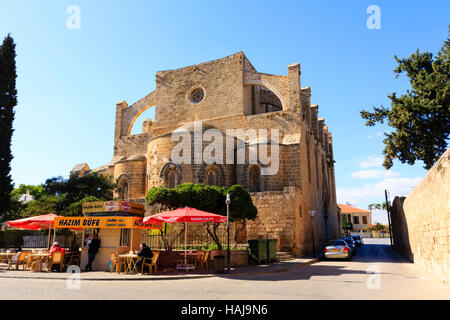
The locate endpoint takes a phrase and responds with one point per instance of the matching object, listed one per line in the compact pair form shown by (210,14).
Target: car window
(336,243)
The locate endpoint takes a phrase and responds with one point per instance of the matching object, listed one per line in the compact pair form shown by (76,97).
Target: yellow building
(358,217)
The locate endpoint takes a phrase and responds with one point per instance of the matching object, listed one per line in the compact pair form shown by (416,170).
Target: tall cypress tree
(8,100)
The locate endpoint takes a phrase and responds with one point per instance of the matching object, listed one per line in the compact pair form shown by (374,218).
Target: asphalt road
(376,272)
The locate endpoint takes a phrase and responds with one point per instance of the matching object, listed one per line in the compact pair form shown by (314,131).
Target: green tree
(62,196)
(8,100)
(206,198)
(420,119)
(35,191)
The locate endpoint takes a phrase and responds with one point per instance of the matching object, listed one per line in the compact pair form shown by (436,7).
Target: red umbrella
(35,223)
(185,215)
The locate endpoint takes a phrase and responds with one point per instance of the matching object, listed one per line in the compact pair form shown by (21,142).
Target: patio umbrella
(35,223)
(186,215)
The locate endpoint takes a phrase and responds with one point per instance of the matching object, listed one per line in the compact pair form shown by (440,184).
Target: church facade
(222,123)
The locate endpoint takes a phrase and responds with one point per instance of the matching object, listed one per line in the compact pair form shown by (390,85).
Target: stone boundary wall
(421,222)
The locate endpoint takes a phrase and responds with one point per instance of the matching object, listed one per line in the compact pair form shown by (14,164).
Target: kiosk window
(125,237)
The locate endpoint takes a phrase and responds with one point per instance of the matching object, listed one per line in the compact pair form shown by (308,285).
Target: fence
(42,241)
(194,242)
(29,239)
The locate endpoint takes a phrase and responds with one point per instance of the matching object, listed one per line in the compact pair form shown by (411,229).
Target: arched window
(123,188)
(211,178)
(171,179)
(254,184)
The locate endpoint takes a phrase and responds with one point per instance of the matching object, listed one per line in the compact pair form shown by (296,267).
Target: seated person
(56,247)
(144,253)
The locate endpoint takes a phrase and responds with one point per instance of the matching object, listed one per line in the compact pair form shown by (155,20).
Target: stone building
(226,94)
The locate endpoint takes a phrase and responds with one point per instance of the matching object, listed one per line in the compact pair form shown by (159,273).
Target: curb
(308,263)
(175,277)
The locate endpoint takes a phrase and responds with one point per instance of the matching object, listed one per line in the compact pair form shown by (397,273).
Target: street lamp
(228,201)
(311,213)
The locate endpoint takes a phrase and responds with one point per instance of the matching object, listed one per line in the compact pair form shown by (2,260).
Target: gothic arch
(165,171)
(263,178)
(205,168)
(124,184)
(130,114)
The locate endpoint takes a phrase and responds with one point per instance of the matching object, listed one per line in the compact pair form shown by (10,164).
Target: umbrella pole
(48,242)
(185,238)
(54,234)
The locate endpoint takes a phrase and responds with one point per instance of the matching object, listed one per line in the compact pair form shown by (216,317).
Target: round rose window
(197,95)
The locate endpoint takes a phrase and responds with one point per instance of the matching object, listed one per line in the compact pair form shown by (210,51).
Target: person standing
(92,252)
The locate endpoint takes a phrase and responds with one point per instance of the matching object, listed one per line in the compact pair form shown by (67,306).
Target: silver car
(337,249)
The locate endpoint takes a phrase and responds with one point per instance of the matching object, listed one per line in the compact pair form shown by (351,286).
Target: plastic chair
(117,262)
(19,261)
(203,263)
(57,258)
(198,257)
(152,263)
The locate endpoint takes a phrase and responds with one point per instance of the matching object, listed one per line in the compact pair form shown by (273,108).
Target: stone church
(224,94)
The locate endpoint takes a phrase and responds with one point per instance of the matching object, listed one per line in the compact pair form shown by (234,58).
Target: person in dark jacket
(92,252)
(144,253)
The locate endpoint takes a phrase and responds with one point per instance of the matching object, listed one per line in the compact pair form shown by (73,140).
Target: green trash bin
(257,250)
(272,250)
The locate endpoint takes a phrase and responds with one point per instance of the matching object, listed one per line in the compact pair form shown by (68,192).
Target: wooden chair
(117,262)
(203,263)
(151,263)
(57,258)
(21,260)
(198,257)
(28,260)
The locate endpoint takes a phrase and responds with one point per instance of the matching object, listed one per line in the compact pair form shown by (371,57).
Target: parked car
(350,243)
(358,240)
(337,249)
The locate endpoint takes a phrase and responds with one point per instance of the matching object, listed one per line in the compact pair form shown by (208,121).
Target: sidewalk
(107,276)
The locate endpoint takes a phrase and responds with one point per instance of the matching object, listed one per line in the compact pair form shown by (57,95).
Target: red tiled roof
(349,209)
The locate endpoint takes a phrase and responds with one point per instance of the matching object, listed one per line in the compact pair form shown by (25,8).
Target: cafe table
(187,266)
(131,260)
(40,258)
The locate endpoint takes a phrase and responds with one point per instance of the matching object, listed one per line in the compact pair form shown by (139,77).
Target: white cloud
(378,134)
(372,161)
(374,174)
(369,193)
(379,216)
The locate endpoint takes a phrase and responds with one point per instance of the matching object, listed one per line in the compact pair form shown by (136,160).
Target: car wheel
(349,257)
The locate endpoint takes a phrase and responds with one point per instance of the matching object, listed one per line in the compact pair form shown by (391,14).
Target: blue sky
(69,80)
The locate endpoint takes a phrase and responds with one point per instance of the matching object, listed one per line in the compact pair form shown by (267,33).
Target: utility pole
(388,209)
(228,201)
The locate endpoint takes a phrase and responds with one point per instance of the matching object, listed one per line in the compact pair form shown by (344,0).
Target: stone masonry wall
(424,221)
